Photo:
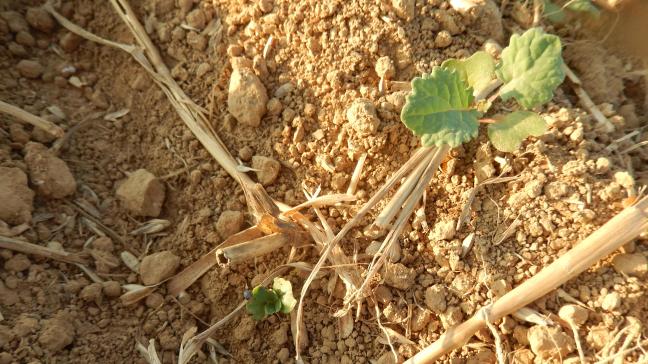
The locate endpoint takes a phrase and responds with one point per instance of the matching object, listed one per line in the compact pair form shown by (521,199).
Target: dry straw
(624,227)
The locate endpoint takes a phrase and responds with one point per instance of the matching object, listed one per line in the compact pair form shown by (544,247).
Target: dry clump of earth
(299,111)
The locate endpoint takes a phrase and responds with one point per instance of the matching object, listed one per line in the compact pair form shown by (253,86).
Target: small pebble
(29,69)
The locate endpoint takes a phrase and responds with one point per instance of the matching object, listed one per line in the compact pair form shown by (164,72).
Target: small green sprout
(442,110)
(264,302)
(557,14)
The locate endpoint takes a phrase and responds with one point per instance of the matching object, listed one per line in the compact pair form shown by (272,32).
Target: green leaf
(508,133)
(438,109)
(477,70)
(531,68)
(583,6)
(264,302)
(283,288)
(553,12)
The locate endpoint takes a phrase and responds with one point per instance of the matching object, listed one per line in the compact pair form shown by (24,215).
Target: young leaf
(553,12)
(264,302)
(283,288)
(477,70)
(508,133)
(531,68)
(583,6)
(438,109)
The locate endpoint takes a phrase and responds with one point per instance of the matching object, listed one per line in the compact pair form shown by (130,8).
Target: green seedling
(264,302)
(557,14)
(442,109)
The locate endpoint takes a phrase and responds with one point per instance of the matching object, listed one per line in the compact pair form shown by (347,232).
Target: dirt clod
(443,230)
(574,314)
(362,117)
(404,8)
(112,289)
(385,67)
(58,332)
(550,342)
(229,223)
(92,293)
(15,21)
(399,276)
(247,97)
(435,298)
(631,264)
(142,193)
(267,169)
(30,69)
(40,19)
(16,197)
(611,301)
(157,267)
(17,263)
(49,173)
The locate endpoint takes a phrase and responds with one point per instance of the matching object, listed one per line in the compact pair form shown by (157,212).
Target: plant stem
(32,119)
(412,199)
(411,163)
(396,203)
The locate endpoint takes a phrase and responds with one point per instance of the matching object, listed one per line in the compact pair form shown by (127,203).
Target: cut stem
(396,203)
(32,119)
(587,102)
(404,215)
(29,248)
(252,249)
(411,163)
(622,228)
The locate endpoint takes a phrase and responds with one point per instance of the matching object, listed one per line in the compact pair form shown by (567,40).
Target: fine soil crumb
(48,173)
(142,193)
(16,207)
(157,267)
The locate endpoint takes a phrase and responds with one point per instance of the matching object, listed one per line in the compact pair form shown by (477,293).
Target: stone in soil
(267,169)
(48,173)
(229,223)
(574,314)
(15,21)
(443,230)
(29,69)
(362,117)
(435,298)
(549,342)
(399,276)
(58,332)
(631,264)
(142,193)
(17,199)
(385,67)
(247,97)
(157,267)
(611,301)
(40,20)
(405,9)
(17,263)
